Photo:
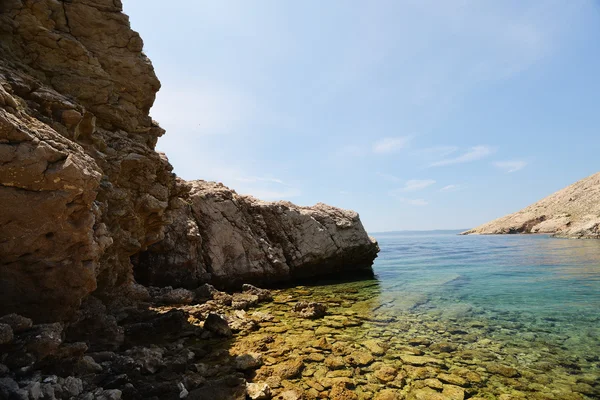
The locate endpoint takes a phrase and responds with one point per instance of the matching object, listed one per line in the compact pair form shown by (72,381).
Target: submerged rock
(310,310)
(258,391)
(248,361)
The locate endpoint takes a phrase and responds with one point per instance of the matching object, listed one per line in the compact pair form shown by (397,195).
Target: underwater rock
(258,391)
(311,310)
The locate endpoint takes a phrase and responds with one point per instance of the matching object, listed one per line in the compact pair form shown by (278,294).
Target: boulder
(217,325)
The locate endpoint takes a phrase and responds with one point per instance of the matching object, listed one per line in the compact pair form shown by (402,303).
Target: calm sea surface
(528,276)
(458,317)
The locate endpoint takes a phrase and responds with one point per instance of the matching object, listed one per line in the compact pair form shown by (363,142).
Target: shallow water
(521,315)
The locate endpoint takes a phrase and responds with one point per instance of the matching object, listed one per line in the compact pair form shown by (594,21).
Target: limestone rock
(258,391)
(339,391)
(262,294)
(6,333)
(572,212)
(150,360)
(501,369)
(89,206)
(81,186)
(176,296)
(238,238)
(248,361)
(289,369)
(310,310)
(217,325)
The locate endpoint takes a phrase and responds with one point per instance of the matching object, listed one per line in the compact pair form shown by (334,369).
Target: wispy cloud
(415,185)
(510,166)
(450,188)
(473,154)
(414,202)
(390,144)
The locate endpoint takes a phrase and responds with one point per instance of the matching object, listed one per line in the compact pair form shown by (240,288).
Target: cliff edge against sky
(85,196)
(573,212)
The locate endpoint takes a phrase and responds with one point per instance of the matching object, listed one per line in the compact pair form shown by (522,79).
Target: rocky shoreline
(282,344)
(573,212)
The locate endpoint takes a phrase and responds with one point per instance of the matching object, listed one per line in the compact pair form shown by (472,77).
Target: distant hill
(572,212)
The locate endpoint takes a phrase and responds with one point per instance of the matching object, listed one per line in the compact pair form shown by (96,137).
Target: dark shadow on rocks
(153,350)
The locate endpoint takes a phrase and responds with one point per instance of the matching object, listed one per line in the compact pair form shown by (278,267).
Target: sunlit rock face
(84,192)
(227,238)
(572,212)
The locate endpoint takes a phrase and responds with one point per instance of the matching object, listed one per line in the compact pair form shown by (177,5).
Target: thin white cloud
(450,188)
(510,166)
(414,202)
(415,185)
(473,154)
(390,144)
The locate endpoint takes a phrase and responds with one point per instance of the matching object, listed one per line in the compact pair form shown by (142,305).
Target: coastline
(332,340)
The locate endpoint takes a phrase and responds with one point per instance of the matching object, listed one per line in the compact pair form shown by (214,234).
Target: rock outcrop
(84,192)
(572,212)
(81,186)
(228,239)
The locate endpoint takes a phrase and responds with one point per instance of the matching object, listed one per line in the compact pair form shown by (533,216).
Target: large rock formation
(229,239)
(81,186)
(572,212)
(83,191)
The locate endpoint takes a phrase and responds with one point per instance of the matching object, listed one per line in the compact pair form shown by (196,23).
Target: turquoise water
(458,317)
(534,276)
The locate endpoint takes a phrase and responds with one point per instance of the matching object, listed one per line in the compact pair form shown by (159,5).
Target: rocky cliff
(84,193)
(229,239)
(572,212)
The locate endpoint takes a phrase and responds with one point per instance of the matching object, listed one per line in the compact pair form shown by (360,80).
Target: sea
(484,317)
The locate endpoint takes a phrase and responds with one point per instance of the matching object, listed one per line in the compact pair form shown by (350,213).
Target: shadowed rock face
(572,212)
(83,191)
(229,239)
(81,186)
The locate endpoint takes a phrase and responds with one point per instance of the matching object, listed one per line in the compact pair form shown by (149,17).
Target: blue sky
(418,114)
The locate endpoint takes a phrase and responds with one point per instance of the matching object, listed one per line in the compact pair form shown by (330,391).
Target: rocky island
(573,212)
(99,239)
